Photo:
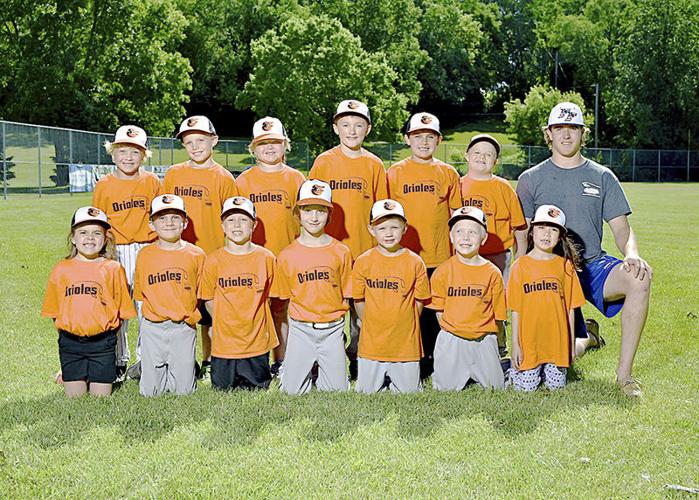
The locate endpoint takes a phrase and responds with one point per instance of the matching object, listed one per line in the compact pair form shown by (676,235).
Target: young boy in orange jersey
(166,280)
(469,297)
(358,179)
(389,285)
(125,196)
(493,195)
(272,186)
(204,185)
(429,191)
(236,285)
(315,275)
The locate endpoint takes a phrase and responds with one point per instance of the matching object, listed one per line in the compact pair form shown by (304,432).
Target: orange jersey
(316,280)
(166,281)
(471,298)
(428,193)
(240,287)
(356,184)
(390,287)
(127,205)
(543,292)
(274,195)
(87,298)
(204,190)
(502,208)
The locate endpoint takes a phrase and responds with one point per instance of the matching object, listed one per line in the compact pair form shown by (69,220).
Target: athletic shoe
(275,369)
(592,327)
(353,369)
(502,350)
(59,378)
(120,374)
(203,372)
(134,371)
(629,387)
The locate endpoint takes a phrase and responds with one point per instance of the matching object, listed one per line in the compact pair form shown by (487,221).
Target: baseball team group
(391,278)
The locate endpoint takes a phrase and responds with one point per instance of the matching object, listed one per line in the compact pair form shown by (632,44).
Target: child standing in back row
(272,186)
(357,178)
(88,298)
(429,191)
(204,185)
(542,293)
(125,196)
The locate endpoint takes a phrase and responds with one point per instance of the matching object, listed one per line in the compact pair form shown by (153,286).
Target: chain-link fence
(46,160)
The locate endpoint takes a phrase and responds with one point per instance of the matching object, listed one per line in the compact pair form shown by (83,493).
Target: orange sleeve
(517,220)
(380,182)
(137,293)
(122,297)
(50,307)
(347,275)
(390,182)
(281,280)
(514,289)
(98,200)
(438,285)
(499,304)
(208,280)
(422,282)
(228,187)
(273,276)
(358,281)
(454,190)
(316,171)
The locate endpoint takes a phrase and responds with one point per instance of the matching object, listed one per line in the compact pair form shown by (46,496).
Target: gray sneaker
(134,371)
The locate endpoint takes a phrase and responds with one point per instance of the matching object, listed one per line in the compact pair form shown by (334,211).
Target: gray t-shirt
(587,194)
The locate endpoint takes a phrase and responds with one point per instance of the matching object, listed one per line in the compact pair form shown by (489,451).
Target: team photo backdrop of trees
(93,65)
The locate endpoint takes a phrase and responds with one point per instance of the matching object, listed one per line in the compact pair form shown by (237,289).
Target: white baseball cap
(129,134)
(566,113)
(472,213)
(423,121)
(352,107)
(197,123)
(384,208)
(314,192)
(268,128)
(89,214)
(238,204)
(550,214)
(167,202)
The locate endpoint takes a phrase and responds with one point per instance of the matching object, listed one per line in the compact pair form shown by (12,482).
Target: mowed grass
(584,441)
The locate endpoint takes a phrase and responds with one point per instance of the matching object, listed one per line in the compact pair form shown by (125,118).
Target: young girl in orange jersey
(204,185)
(237,285)
(315,275)
(357,178)
(389,285)
(542,293)
(166,280)
(429,191)
(272,186)
(125,196)
(88,298)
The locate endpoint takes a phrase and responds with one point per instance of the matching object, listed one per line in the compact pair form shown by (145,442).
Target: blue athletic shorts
(592,279)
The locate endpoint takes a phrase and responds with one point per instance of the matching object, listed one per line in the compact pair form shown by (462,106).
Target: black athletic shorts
(88,358)
(246,373)
(205,316)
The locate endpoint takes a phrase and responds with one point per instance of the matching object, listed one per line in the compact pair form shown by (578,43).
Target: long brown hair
(565,246)
(108,250)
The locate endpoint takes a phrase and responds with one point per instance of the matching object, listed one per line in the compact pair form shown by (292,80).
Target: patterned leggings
(554,377)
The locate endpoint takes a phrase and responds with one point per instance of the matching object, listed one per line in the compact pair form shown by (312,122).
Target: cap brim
(266,137)
(193,130)
(456,219)
(384,216)
(423,129)
(239,210)
(106,225)
(169,209)
(548,223)
(495,144)
(314,201)
(346,113)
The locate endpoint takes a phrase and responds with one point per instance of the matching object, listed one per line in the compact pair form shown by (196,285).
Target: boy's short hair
(484,138)
(197,123)
(352,107)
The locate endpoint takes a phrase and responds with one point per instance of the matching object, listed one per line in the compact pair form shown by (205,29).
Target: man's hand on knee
(637,267)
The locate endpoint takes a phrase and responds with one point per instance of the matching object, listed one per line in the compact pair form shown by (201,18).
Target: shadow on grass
(238,418)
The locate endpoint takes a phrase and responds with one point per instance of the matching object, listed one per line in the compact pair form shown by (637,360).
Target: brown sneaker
(596,340)
(629,387)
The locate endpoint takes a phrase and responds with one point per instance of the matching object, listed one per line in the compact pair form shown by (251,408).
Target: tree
(305,67)
(654,100)
(93,64)
(524,119)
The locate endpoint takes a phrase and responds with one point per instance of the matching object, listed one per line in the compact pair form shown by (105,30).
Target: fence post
(308,159)
(4,164)
(390,154)
(529,156)
(688,155)
(633,166)
(38,138)
(226,155)
(658,165)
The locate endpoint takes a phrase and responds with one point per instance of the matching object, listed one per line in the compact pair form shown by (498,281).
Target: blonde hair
(108,250)
(583,141)
(111,146)
(287,147)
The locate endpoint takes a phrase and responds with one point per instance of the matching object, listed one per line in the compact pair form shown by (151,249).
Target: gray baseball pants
(456,360)
(398,376)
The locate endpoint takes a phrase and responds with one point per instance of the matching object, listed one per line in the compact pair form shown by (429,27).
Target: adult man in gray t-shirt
(589,194)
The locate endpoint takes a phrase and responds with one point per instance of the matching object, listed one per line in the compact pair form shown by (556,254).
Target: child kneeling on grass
(542,293)
(315,274)
(389,285)
(166,278)
(469,297)
(237,285)
(88,298)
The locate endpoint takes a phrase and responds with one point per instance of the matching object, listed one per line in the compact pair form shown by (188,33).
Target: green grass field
(586,441)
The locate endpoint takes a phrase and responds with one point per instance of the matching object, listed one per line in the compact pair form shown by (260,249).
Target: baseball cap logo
(317,189)
(192,122)
(465,210)
(267,126)
(93,212)
(167,199)
(426,119)
(131,132)
(567,114)
(238,201)
(389,205)
(554,212)
(352,105)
